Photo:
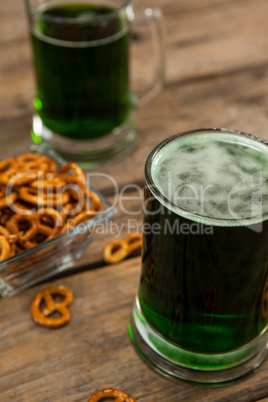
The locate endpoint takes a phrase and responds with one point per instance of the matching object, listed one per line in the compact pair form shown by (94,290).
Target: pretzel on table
(43,317)
(118,395)
(118,250)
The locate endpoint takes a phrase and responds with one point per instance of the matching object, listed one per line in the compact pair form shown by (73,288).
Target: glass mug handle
(153,17)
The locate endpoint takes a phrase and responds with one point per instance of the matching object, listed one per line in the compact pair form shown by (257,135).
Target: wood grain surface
(216,76)
(94,350)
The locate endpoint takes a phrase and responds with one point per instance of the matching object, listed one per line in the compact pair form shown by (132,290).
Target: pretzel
(28,159)
(43,317)
(47,164)
(8,200)
(13,178)
(12,238)
(48,183)
(16,249)
(118,395)
(31,195)
(80,218)
(89,196)
(115,251)
(77,176)
(13,250)
(4,232)
(5,248)
(36,162)
(49,222)
(6,214)
(27,233)
(94,199)
(118,250)
(67,210)
(23,208)
(6,164)
(2,190)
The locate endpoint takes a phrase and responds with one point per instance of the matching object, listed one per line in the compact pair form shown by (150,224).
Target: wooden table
(216,76)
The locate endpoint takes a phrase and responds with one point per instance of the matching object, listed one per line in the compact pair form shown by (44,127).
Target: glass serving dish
(54,256)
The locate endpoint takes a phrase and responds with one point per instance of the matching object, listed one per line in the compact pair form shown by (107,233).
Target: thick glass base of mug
(174,361)
(88,153)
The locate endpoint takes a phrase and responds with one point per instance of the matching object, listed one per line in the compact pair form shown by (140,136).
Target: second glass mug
(201,311)
(84,105)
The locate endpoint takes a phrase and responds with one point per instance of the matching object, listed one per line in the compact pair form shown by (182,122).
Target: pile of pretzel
(39,202)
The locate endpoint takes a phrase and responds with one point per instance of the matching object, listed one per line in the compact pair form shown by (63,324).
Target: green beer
(203,295)
(82,70)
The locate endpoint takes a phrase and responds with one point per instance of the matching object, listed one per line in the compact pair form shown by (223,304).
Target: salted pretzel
(118,395)
(118,250)
(43,317)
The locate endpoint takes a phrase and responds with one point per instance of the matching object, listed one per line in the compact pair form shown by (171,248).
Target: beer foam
(214,176)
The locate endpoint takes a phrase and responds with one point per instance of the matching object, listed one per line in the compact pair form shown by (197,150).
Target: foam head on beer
(217,176)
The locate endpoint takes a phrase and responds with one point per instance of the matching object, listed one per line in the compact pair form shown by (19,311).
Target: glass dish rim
(190,215)
(107,214)
(76,21)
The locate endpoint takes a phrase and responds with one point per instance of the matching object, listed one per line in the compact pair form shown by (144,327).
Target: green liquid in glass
(203,285)
(82,71)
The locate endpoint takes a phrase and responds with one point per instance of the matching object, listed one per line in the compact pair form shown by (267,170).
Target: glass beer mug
(84,104)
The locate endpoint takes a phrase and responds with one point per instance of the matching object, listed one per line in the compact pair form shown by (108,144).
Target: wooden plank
(94,350)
